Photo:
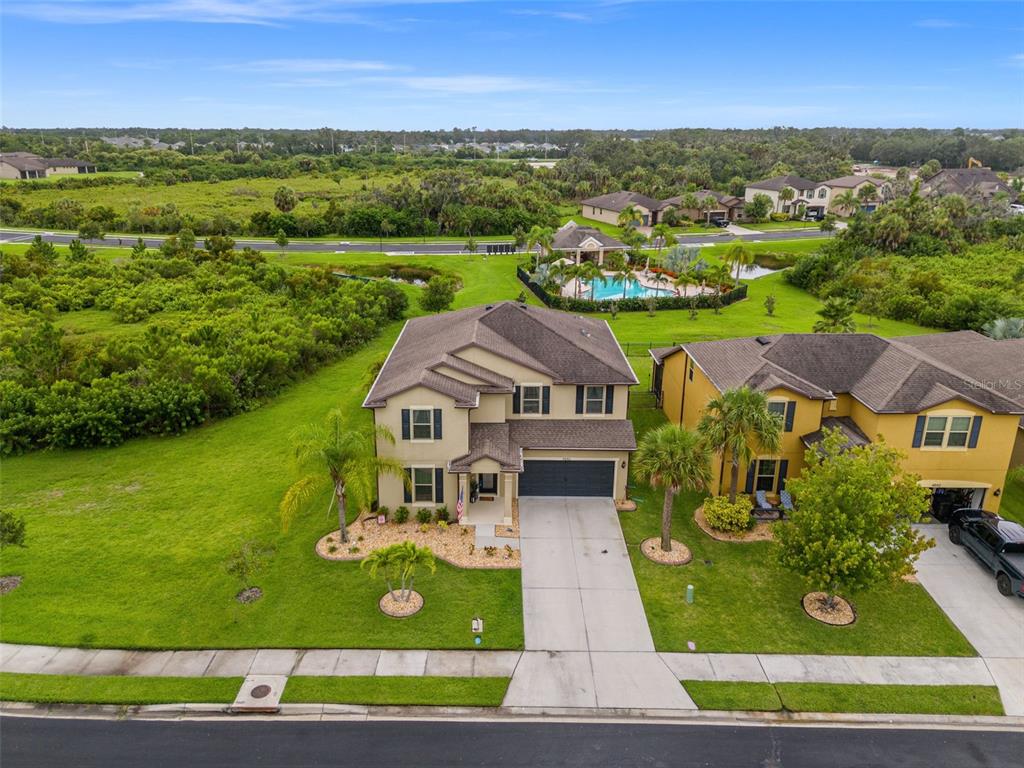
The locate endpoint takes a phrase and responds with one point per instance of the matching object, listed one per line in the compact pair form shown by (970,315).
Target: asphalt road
(39,742)
(341,246)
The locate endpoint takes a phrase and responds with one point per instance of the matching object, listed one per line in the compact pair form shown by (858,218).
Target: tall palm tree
(588,271)
(687,278)
(848,202)
(785,195)
(340,458)
(627,275)
(540,238)
(629,215)
(734,420)
(739,255)
(661,236)
(718,275)
(867,194)
(707,205)
(674,459)
(836,316)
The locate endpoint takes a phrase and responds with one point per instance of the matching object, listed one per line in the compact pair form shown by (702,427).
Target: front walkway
(587,640)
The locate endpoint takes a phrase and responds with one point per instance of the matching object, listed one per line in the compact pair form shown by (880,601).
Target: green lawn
(746,603)
(771,226)
(65,689)
(398,691)
(24,183)
(1012,505)
(828,697)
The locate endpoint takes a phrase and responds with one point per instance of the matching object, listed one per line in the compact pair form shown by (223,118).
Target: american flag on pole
(460,507)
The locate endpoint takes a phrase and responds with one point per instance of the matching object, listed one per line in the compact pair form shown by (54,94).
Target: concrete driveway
(587,639)
(993,624)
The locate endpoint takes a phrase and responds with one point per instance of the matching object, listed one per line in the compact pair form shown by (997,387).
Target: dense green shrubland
(223,330)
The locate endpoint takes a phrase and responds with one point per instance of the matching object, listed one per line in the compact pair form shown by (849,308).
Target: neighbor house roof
(23,161)
(850,182)
(505,442)
(776,183)
(729,201)
(570,349)
(571,236)
(951,181)
(617,201)
(53,162)
(904,375)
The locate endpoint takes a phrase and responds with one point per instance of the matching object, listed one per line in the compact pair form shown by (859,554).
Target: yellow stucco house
(497,401)
(952,402)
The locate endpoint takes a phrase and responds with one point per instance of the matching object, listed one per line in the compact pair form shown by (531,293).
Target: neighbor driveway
(587,639)
(993,624)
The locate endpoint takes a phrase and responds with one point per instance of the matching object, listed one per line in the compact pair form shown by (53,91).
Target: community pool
(613,290)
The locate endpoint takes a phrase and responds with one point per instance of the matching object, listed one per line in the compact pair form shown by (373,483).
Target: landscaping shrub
(385,512)
(423,515)
(441,515)
(725,516)
(12,529)
(401,515)
(779,216)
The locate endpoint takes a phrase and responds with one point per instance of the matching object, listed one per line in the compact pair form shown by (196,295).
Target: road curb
(333,712)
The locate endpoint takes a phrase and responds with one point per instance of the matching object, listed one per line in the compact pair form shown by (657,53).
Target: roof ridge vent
(764,341)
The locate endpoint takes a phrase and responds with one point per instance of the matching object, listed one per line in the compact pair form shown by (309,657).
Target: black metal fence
(700,301)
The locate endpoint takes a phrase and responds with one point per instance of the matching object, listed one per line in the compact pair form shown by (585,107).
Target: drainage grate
(260,692)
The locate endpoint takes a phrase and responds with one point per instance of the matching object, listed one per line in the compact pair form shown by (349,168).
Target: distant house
(59,166)
(584,243)
(803,194)
(970,182)
(22,165)
(607,208)
(833,188)
(728,207)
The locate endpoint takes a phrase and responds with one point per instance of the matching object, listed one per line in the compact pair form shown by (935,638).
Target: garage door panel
(567,478)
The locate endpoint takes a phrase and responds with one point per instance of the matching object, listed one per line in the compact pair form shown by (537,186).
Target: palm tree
(735,419)
(661,236)
(629,215)
(1005,328)
(868,193)
(689,202)
(627,275)
(893,231)
(674,459)
(540,238)
(588,271)
(739,255)
(785,195)
(836,316)
(848,202)
(399,562)
(340,458)
(686,278)
(719,275)
(707,205)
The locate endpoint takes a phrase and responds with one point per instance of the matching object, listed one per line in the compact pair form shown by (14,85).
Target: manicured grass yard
(126,545)
(767,226)
(66,689)
(1012,505)
(398,691)
(828,697)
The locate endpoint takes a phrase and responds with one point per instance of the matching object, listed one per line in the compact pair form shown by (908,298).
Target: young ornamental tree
(853,525)
(675,460)
(438,294)
(338,458)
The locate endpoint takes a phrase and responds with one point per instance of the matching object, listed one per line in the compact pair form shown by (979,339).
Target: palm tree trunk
(339,493)
(666,520)
(734,477)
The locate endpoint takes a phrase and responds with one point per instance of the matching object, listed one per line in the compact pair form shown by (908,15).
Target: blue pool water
(613,290)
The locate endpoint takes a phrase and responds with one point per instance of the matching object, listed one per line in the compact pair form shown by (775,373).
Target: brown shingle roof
(849,182)
(571,235)
(617,201)
(960,181)
(853,434)
(571,349)
(887,375)
(23,161)
(776,183)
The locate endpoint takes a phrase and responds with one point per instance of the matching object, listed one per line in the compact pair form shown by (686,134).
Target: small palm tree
(674,459)
(588,271)
(627,275)
(687,278)
(661,236)
(836,316)
(338,457)
(540,238)
(399,563)
(734,420)
(629,215)
(707,205)
(848,202)
(739,255)
(785,195)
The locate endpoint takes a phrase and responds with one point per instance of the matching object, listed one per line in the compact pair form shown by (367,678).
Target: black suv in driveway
(997,543)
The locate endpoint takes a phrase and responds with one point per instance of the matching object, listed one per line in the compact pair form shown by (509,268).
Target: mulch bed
(455,545)
(398,609)
(9,583)
(509,531)
(625,505)
(840,616)
(651,549)
(760,532)
(249,595)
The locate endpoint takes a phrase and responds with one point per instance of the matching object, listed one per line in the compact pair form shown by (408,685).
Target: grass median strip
(397,691)
(67,689)
(835,697)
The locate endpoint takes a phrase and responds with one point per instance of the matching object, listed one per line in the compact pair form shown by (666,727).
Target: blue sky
(427,65)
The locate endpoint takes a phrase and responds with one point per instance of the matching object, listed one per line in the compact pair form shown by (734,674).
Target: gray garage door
(567,478)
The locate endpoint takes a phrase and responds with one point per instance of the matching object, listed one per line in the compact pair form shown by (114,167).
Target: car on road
(723,223)
(998,544)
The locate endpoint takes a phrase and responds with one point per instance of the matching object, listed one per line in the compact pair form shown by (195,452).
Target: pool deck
(646,280)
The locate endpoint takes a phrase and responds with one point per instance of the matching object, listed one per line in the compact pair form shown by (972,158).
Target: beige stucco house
(804,193)
(26,165)
(607,208)
(831,189)
(497,401)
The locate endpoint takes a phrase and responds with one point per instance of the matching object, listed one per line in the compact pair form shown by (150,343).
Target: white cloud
(562,15)
(306,66)
(470,84)
(938,24)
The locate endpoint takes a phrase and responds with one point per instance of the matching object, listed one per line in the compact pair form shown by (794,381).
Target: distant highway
(344,246)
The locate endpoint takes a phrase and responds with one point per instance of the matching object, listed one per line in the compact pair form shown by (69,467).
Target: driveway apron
(587,639)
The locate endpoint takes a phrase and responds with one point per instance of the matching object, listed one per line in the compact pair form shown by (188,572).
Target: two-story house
(952,402)
(497,401)
(802,192)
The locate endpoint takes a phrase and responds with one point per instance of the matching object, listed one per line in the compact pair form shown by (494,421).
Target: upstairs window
(531,398)
(594,402)
(947,431)
(778,407)
(422,424)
